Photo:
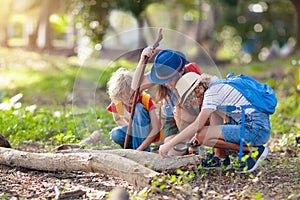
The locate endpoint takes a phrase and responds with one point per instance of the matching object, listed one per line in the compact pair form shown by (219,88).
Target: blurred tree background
(230,30)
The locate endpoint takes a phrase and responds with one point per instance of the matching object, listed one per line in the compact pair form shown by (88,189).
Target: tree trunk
(4,24)
(42,34)
(134,173)
(46,10)
(141,40)
(296,4)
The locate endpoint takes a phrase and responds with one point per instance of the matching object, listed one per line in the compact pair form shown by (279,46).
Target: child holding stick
(145,126)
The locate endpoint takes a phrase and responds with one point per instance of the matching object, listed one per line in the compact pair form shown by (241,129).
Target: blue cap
(167,65)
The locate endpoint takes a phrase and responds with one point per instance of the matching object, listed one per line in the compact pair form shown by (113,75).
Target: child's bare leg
(217,118)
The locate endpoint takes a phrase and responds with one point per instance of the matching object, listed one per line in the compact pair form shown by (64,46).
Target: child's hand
(148,52)
(164,149)
(194,142)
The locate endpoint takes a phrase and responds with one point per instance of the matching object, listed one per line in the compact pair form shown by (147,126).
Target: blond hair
(195,99)
(119,85)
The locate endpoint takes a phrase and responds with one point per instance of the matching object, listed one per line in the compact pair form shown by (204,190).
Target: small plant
(178,183)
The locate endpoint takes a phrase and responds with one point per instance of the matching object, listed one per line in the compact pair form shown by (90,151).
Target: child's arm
(155,124)
(145,84)
(120,121)
(188,132)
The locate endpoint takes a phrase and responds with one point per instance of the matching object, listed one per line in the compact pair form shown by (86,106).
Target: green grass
(45,83)
(48,80)
(50,126)
(41,78)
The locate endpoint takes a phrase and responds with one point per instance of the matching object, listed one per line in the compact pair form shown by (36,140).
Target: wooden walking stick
(137,92)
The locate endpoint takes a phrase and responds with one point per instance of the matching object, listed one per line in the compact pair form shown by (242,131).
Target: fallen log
(151,160)
(156,162)
(132,172)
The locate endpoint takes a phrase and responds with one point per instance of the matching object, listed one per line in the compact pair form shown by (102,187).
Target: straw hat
(167,65)
(186,84)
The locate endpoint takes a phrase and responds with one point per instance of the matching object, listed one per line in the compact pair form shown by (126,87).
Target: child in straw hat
(197,92)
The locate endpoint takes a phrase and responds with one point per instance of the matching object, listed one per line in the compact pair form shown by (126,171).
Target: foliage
(42,113)
(93,17)
(273,19)
(177,183)
(33,124)
(134,6)
(60,22)
(285,122)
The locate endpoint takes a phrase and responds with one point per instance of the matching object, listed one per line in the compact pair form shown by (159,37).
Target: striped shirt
(224,95)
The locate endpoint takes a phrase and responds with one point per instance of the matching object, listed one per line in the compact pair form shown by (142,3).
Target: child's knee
(113,135)
(117,135)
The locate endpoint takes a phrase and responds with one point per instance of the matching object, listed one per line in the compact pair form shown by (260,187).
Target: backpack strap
(242,134)
(160,136)
(120,108)
(145,100)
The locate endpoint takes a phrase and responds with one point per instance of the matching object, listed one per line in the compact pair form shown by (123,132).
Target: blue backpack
(261,96)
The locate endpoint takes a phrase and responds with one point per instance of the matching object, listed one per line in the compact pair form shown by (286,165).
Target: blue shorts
(257,129)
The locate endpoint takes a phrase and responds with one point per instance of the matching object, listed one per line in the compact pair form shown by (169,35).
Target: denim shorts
(256,131)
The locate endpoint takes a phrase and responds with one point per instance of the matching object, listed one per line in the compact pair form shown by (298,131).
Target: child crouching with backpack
(206,93)
(145,124)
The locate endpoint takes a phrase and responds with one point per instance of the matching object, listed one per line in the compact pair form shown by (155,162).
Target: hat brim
(189,91)
(153,78)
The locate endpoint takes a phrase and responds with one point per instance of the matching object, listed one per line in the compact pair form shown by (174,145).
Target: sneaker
(252,163)
(212,162)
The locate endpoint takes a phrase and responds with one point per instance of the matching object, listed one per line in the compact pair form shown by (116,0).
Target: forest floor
(278,177)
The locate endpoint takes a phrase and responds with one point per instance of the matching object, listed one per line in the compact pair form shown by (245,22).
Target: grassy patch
(40,78)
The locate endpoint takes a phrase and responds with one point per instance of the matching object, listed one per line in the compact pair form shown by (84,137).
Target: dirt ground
(277,178)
